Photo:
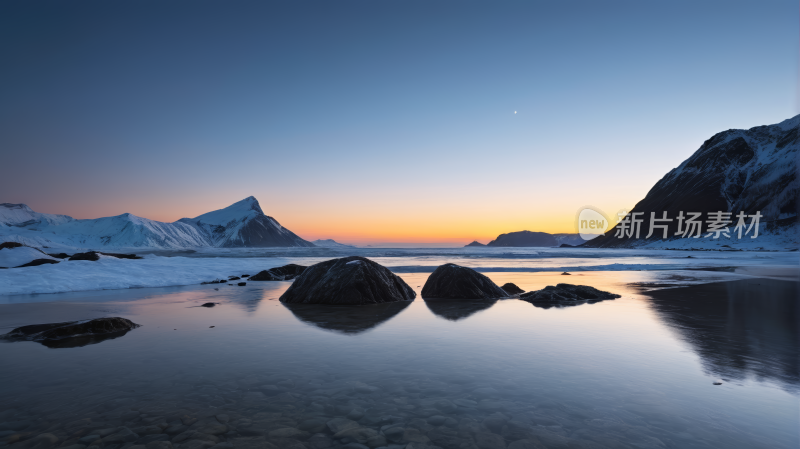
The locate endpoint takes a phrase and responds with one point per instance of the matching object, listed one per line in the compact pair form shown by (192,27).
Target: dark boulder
(245,275)
(284,273)
(233,278)
(91,255)
(95,256)
(566,274)
(450,281)
(59,255)
(350,280)
(512,289)
(72,334)
(37,262)
(565,295)
(5,245)
(122,256)
(208,304)
(242,284)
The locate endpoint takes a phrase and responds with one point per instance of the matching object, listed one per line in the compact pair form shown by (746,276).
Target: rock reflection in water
(742,328)
(458,310)
(346,319)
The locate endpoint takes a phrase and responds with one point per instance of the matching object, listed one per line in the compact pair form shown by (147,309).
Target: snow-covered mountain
(242,224)
(736,170)
(20,215)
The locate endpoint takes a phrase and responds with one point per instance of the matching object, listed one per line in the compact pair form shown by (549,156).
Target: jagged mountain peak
(243,210)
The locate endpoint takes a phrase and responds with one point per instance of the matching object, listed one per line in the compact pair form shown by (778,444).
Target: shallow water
(632,372)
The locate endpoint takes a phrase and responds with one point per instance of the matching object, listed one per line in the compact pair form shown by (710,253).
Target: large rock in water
(72,333)
(450,281)
(284,273)
(564,295)
(349,280)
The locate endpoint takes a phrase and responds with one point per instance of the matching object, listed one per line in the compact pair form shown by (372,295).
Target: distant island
(331,243)
(522,239)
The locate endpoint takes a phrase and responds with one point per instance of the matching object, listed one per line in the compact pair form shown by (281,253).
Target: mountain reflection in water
(346,319)
(739,329)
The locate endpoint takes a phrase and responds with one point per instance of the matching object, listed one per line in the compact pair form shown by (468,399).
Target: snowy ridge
(22,215)
(241,225)
(736,170)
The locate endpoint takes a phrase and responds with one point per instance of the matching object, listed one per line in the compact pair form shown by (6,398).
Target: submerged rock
(284,273)
(512,288)
(450,281)
(350,280)
(564,295)
(72,334)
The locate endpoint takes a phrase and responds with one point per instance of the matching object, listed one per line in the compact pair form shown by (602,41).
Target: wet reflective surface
(635,372)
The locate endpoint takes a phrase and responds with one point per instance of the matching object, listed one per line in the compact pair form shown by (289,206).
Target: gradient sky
(377,121)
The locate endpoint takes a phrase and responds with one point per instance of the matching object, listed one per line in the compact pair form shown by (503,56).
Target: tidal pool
(635,372)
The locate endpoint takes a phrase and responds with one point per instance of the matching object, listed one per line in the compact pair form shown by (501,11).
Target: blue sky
(377,120)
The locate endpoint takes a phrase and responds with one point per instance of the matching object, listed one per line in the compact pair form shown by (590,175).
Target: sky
(378,121)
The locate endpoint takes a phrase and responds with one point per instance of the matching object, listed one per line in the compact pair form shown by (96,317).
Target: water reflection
(740,329)
(346,319)
(457,310)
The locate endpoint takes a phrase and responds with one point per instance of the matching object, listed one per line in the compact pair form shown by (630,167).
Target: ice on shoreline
(160,271)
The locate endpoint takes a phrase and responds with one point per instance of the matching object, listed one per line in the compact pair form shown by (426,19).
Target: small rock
(197,444)
(525,444)
(242,284)
(569,274)
(436,420)
(486,440)
(288,432)
(123,435)
(312,425)
(495,422)
(252,443)
(153,438)
(394,434)
(336,425)
(359,434)
(159,445)
(355,414)
(41,441)
(209,304)
(319,442)
(89,439)
(147,430)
